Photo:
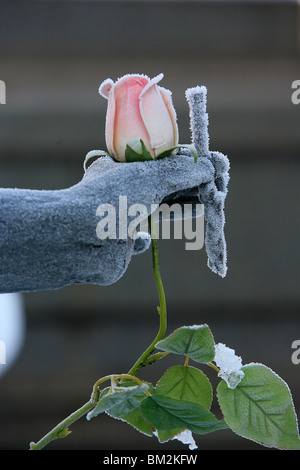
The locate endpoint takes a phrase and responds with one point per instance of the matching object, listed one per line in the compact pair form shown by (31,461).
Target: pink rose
(138,109)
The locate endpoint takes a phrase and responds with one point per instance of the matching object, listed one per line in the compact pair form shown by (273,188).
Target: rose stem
(162,309)
(61,430)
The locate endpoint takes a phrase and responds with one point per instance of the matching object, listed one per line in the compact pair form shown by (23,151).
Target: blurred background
(53,57)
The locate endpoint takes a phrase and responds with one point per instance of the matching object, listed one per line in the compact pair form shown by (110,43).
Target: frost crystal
(186,437)
(229,364)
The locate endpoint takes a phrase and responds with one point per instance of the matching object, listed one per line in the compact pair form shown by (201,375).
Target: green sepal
(136,151)
(169,152)
(94,153)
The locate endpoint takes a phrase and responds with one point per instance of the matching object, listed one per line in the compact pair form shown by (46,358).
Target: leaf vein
(264,412)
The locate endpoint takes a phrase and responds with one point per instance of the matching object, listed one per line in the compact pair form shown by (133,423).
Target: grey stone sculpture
(48,239)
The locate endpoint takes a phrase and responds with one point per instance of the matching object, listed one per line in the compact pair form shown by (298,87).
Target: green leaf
(128,410)
(260,408)
(168,413)
(119,402)
(164,435)
(136,151)
(195,342)
(184,383)
(135,417)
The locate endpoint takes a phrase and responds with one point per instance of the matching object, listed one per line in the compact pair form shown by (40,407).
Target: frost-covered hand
(48,239)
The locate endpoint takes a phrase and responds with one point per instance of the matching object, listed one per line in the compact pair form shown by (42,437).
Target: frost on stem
(229,364)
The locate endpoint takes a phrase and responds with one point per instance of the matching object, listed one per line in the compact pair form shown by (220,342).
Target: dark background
(53,56)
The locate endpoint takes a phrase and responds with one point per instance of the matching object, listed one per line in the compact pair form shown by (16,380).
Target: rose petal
(156,117)
(105,87)
(167,97)
(128,123)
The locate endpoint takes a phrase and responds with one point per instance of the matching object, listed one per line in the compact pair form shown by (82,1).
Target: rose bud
(140,120)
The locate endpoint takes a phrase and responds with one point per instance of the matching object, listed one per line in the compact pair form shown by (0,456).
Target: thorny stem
(61,430)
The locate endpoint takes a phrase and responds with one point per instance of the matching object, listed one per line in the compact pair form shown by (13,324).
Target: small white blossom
(186,437)
(229,364)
